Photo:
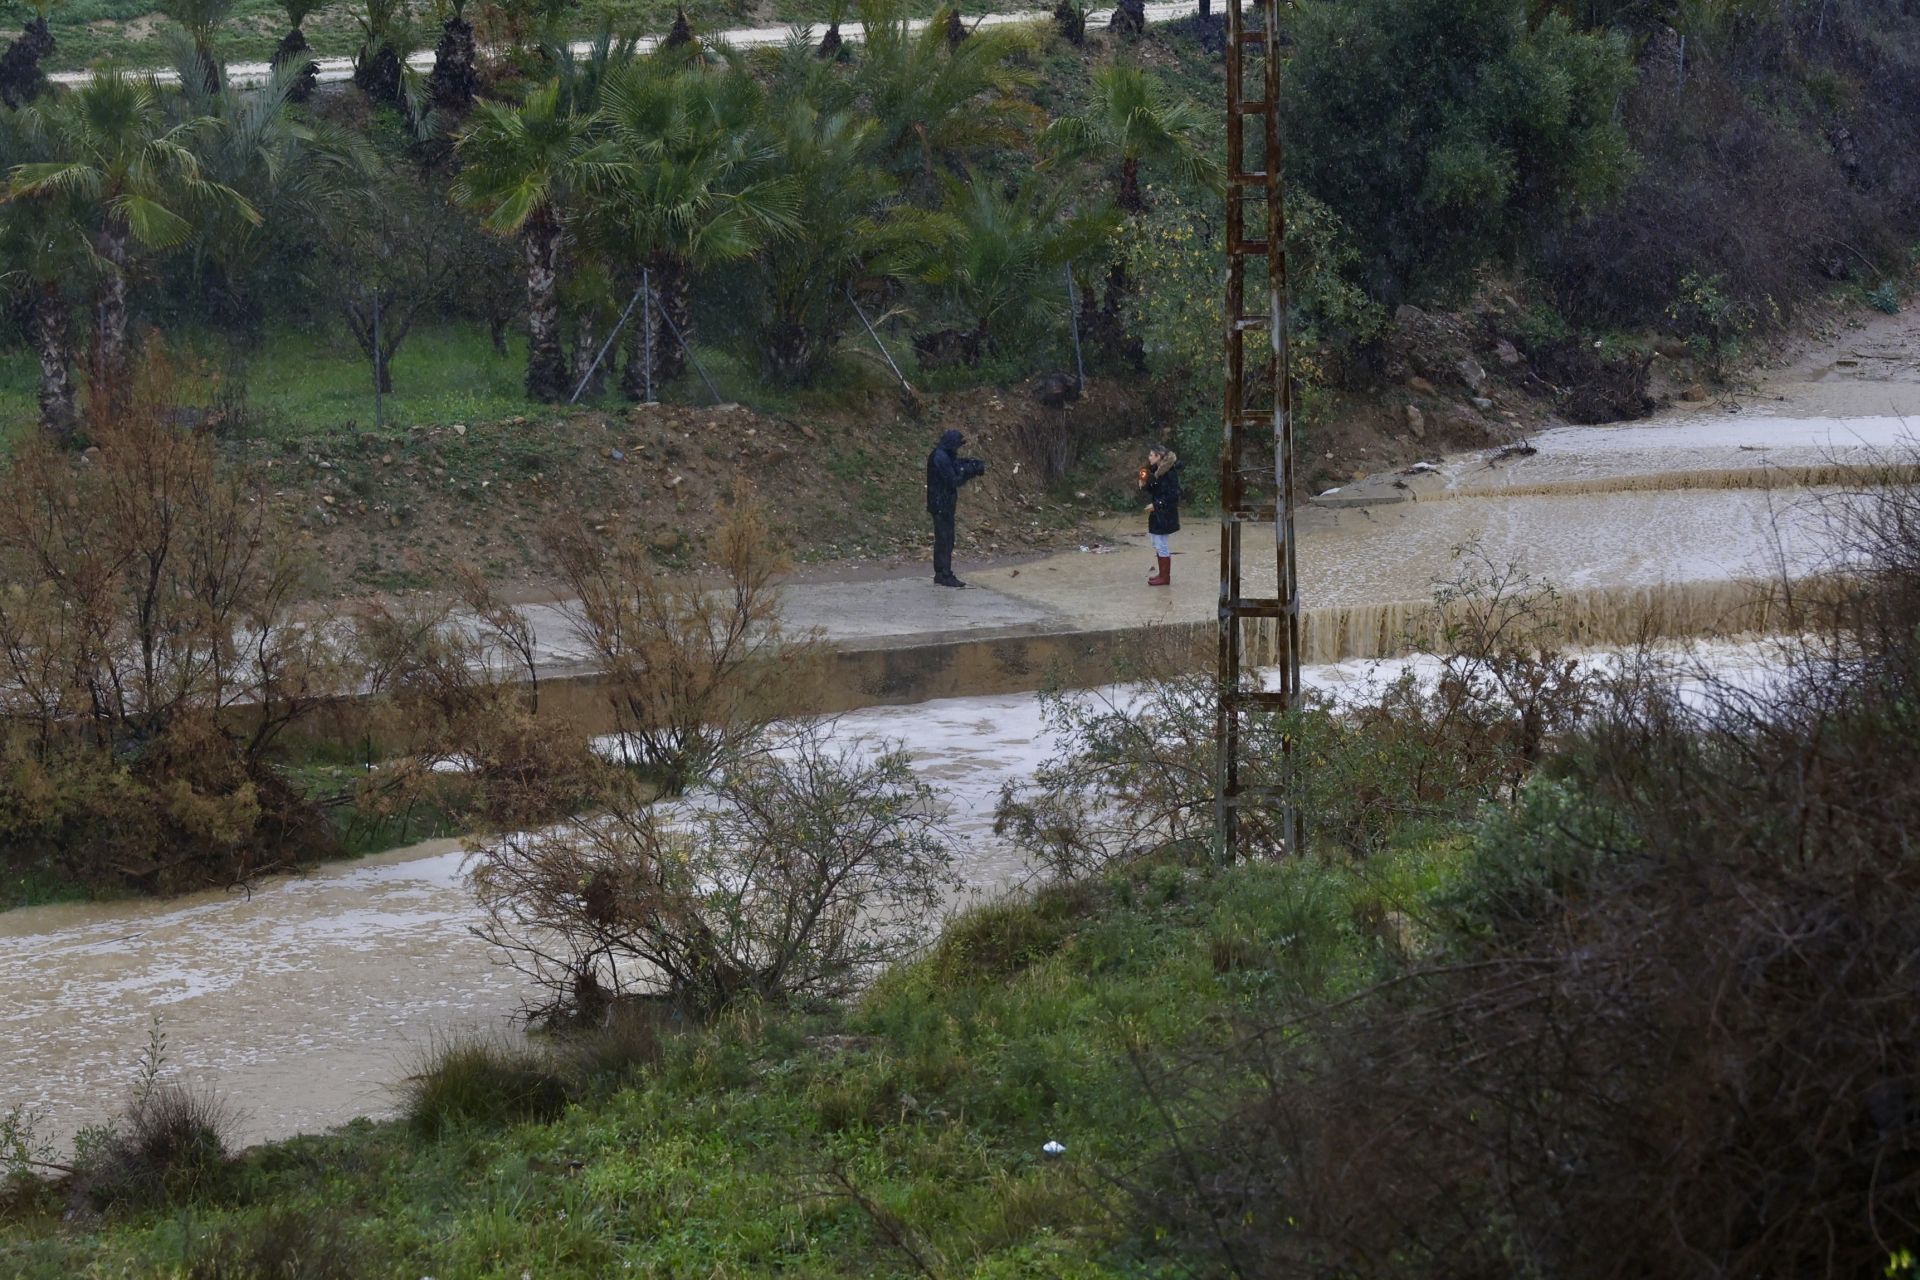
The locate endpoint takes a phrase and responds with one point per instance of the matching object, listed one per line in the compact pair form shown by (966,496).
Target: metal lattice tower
(1256,456)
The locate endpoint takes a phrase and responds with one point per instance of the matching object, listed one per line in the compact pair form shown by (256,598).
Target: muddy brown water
(307,1001)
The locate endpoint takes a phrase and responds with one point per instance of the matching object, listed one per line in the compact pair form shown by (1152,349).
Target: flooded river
(304,1002)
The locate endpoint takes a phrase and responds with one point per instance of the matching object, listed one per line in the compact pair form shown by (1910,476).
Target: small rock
(460,428)
(1506,353)
(617,455)
(1694,394)
(1055,1149)
(1671,348)
(386,459)
(1482,403)
(1416,423)
(1420,386)
(1406,314)
(676,482)
(1472,374)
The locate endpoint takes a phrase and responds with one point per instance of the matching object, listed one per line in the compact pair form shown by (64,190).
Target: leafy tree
(1443,132)
(993,254)
(524,170)
(393,255)
(1132,119)
(133,182)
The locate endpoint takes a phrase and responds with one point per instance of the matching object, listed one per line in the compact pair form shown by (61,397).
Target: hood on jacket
(950,440)
(1168,461)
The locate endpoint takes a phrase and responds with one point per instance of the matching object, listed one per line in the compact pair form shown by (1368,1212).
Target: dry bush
(456,710)
(150,660)
(695,670)
(1672,1029)
(794,874)
(1137,774)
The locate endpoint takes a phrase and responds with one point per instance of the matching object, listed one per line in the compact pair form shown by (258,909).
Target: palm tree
(1130,119)
(380,63)
(523,170)
(846,230)
(133,182)
(294,50)
(20,78)
(297,174)
(47,256)
(453,82)
(939,103)
(200,18)
(691,190)
(993,254)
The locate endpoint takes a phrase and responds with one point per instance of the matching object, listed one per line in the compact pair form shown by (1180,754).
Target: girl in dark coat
(1160,481)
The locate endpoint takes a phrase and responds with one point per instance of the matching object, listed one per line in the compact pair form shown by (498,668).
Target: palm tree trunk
(454,81)
(674,290)
(294,48)
(636,353)
(50,341)
(113,244)
(1130,198)
(586,345)
(546,364)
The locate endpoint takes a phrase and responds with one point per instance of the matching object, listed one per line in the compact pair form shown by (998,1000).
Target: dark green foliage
(281,1244)
(992,942)
(1444,133)
(480,1083)
(170,1146)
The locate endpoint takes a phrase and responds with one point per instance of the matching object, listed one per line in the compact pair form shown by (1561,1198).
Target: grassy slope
(934,1096)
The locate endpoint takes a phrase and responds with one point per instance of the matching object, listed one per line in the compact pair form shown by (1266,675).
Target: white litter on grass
(1055,1149)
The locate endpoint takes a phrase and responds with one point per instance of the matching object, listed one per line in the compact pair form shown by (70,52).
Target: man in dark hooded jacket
(946,472)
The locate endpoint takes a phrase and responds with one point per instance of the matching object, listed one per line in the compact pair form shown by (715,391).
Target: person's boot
(947,580)
(1165,575)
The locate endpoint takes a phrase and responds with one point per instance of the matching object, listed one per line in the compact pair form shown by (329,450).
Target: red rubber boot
(1165,575)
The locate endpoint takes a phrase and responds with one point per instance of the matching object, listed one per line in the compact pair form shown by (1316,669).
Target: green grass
(301,383)
(742,1151)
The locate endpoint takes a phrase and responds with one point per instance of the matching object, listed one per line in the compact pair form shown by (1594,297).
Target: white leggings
(1161,546)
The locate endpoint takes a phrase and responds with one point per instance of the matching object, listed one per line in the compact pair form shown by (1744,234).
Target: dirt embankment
(399,510)
(844,487)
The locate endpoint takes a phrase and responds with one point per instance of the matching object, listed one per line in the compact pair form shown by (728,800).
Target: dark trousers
(943,544)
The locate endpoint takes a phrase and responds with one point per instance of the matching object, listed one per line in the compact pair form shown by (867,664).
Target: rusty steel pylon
(1259,416)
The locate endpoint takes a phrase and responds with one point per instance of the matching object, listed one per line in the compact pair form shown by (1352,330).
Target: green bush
(1444,133)
(1532,860)
(475,1082)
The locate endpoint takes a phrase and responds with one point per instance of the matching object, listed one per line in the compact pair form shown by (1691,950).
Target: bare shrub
(1050,444)
(1137,774)
(150,660)
(793,875)
(1671,1028)
(456,708)
(695,670)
